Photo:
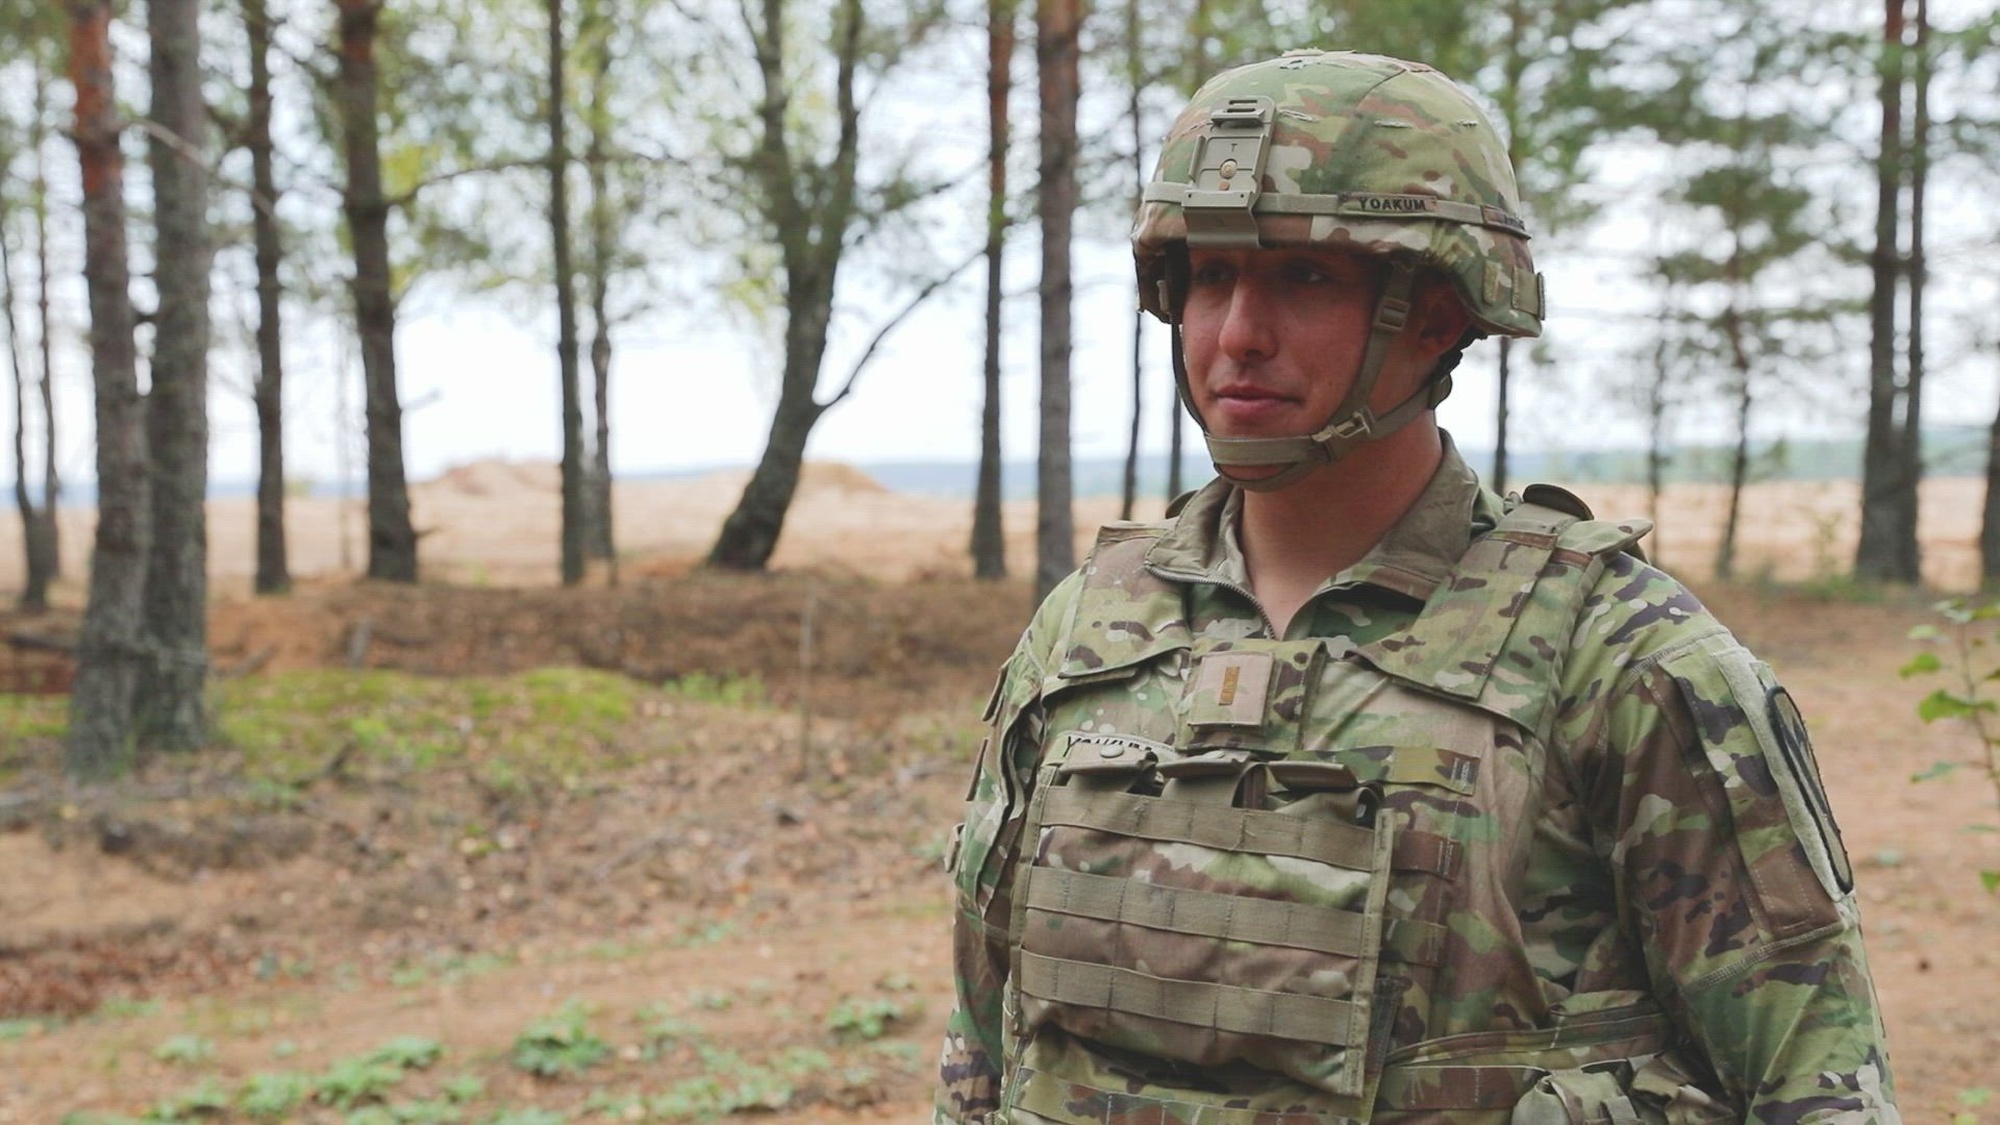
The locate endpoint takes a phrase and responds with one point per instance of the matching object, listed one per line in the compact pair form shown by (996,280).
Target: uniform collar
(1412,557)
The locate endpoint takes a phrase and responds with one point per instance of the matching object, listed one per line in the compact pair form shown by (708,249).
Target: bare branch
(410,196)
(922,295)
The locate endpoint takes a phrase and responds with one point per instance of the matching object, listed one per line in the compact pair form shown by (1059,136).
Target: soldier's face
(1274,338)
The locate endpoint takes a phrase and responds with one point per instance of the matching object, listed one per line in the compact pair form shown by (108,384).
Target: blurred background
(515,507)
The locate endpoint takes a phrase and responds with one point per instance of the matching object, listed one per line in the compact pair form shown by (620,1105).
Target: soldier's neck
(1297,537)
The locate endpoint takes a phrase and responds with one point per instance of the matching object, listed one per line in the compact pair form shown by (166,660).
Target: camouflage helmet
(1339,150)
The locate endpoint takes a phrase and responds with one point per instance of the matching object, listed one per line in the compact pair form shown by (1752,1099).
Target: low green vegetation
(866,1018)
(185,1050)
(560,1044)
(273,1095)
(295,727)
(1965,650)
(679,1071)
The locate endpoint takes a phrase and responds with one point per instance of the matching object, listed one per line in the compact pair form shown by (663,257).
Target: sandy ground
(1917,847)
(496,523)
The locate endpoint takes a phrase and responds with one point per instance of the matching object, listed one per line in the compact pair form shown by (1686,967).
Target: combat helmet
(1339,150)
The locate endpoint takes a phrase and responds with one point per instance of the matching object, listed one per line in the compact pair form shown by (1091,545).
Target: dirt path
(731,932)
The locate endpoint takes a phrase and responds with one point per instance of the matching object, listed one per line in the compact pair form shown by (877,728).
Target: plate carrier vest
(1241,859)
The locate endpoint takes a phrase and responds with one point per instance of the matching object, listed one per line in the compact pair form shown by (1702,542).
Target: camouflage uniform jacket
(1506,827)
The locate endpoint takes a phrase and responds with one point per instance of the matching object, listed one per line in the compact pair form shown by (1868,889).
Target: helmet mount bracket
(1228,176)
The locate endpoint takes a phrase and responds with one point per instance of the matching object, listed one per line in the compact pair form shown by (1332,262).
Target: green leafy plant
(865,1019)
(1971,1098)
(529,1116)
(273,1094)
(10,1030)
(432,1112)
(204,1100)
(726,690)
(124,1008)
(185,1050)
(1963,650)
(661,1027)
(351,1082)
(410,1052)
(699,935)
(712,1000)
(560,1044)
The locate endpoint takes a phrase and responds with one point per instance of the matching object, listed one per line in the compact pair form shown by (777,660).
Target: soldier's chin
(1251,472)
(1252,476)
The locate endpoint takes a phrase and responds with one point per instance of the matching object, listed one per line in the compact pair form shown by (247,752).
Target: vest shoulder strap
(1496,630)
(1124,613)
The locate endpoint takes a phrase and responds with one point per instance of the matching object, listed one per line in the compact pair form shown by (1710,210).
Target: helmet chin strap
(1353,421)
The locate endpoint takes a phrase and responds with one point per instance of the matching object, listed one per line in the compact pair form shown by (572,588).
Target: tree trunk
(274,574)
(38,524)
(1656,438)
(1135,79)
(1989,516)
(811,239)
(599,540)
(989,540)
(566,345)
(1739,462)
(1910,446)
(1879,555)
(1514,66)
(1739,475)
(1056,26)
(392,540)
(169,705)
(35,590)
(109,647)
(750,534)
(48,559)
(1195,68)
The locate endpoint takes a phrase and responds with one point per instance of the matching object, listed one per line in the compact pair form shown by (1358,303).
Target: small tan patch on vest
(1230,689)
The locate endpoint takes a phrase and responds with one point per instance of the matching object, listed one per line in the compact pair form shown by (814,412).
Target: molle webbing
(1228,917)
(1244,1011)
(1055,1098)
(1246,830)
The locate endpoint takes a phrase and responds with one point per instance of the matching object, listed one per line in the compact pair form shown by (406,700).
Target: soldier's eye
(1305,271)
(1206,274)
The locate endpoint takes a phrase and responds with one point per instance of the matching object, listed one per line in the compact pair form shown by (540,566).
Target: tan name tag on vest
(1230,690)
(1088,753)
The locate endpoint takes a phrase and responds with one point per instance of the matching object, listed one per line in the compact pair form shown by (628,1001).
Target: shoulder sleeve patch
(1755,739)
(1788,731)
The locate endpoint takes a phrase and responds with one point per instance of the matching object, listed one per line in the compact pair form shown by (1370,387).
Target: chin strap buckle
(1358,426)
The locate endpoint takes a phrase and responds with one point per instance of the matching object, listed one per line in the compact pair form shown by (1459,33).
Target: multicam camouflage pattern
(1520,834)
(1366,153)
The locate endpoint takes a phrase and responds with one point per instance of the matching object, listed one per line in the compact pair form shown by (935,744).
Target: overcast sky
(689,390)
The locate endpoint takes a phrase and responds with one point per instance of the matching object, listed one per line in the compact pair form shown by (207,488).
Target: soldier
(1351,791)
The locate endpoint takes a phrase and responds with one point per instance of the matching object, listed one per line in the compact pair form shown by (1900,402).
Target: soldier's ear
(1438,317)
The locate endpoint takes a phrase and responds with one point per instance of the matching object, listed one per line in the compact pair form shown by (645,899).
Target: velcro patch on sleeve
(1755,739)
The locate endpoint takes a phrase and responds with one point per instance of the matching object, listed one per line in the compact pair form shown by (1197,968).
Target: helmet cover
(1344,151)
